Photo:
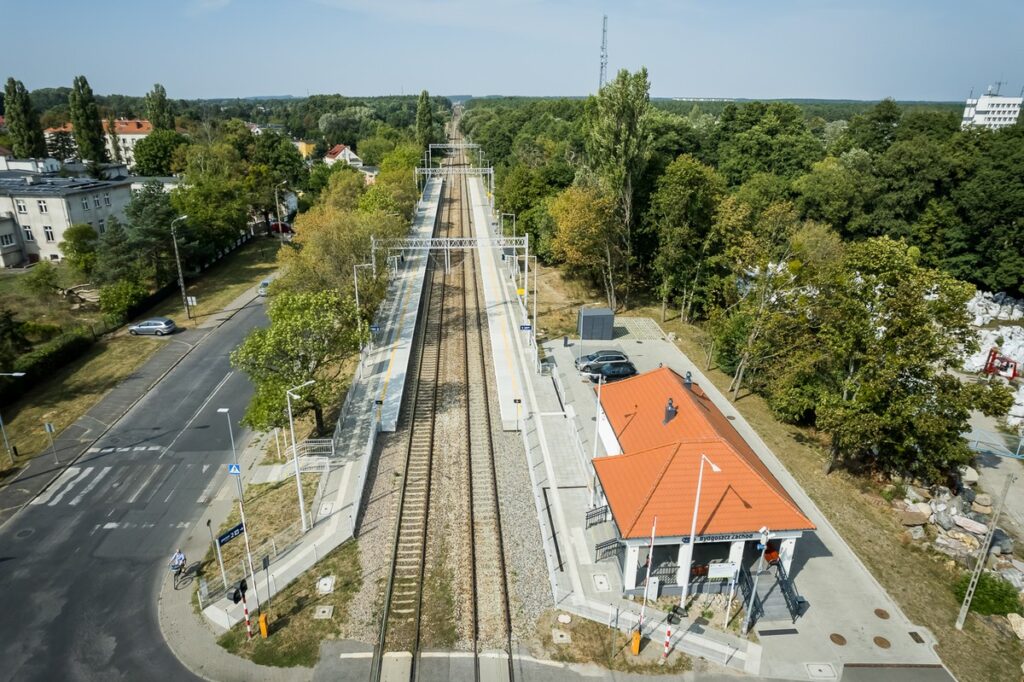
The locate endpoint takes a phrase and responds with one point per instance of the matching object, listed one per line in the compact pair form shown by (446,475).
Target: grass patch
(223,283)
(271,510)
(438,610)
(294,635)
(72,390)
(51,310)
(600,645)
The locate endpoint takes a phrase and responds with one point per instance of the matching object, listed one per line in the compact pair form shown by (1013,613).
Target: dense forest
(828,259)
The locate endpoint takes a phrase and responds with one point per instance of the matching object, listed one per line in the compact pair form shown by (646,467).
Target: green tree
(115,139)
(155,153)
(149,215)
(584,236)
(308,337)
(22,122)
(424,121)
(158,109)
(876,129)
(683,214)
(42,281)
(13,342)
(618,148)
(85,117)
(372,149)
(61,145)
(79,247)
(116,258)
(118,298)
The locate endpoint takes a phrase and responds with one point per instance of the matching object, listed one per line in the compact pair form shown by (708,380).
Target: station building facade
(656,428)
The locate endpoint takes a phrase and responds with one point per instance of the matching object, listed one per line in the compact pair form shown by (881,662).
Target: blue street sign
(374,328)
(230,535)
(525,327)
(234,470)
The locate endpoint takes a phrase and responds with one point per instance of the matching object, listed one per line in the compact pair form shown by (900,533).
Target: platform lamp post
(277,208)
(241,508)
(3,429)
(177,259)
(289,394)
(693,527)
(359,312)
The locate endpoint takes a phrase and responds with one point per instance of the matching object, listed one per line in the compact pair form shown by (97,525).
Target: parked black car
(612,371)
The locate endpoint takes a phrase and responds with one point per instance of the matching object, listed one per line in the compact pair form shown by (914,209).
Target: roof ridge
(654,486)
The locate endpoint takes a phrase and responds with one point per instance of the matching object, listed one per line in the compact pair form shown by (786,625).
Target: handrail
(746,587)
(597,516)
(788,592)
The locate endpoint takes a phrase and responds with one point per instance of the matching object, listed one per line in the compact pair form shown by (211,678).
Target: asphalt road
(82,564)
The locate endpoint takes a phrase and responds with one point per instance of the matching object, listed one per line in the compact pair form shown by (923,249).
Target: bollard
(668,636)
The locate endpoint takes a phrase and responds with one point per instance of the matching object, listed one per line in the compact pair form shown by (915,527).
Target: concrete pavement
(85,558)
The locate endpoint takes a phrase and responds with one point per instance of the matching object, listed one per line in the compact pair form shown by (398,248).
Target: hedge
(43,360)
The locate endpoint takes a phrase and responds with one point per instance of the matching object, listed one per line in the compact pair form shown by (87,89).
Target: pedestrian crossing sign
(234,470)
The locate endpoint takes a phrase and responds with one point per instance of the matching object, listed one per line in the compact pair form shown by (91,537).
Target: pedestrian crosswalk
(133,448)
(127,483)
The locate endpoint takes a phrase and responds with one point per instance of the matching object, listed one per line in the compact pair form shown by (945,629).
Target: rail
(793,600)
(597,516)
(746,588)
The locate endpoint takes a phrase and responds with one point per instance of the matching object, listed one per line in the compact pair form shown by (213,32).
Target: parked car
(594,361)
(612,371)
(156,325)
(282,227)
(262,290)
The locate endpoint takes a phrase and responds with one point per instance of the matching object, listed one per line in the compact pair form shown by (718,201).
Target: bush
(992,596)
(45,359)
(117,299)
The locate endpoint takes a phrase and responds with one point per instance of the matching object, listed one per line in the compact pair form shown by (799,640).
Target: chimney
(688,381)
(670,411)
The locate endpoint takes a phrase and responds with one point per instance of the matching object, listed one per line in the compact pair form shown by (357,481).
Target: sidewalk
(39,472)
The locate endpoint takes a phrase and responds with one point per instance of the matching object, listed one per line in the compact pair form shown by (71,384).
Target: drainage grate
(780,631)
(917,638)
(24,533)
(837,639)
(881,642)
(560,636)
(325,585)
(601,582)
(882,613)
(820,671)
(323,612)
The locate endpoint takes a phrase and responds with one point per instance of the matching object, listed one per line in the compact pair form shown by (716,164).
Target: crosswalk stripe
(70,485)
(91,450)
(154,447)
(92,484)
(137,448)
(68,474)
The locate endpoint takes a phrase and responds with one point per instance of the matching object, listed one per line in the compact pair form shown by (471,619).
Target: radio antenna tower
(604,53)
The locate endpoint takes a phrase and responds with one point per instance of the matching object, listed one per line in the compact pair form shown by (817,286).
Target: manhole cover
(730,417)
(323,612)
(601,582)
(24,533)
(820,671)
(837,639)
(882,613)
(325,508)
(881,642)
(325,585)
(560,636)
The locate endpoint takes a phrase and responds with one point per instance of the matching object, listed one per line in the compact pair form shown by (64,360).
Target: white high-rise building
(991,110)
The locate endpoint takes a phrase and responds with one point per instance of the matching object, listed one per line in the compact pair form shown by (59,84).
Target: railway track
(448,326)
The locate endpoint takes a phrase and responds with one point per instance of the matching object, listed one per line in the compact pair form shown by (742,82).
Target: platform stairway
(777,595)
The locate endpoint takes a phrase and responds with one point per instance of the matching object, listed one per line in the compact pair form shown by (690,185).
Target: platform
(504,314)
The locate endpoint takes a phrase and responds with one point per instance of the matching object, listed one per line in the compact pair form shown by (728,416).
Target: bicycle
(180,572)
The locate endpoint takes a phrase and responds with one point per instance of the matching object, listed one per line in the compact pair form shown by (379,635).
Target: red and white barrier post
(248,625)
(668,636)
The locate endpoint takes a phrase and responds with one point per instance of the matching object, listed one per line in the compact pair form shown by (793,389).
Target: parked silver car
(156,325)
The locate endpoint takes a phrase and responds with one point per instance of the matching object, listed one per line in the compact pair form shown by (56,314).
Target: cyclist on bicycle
(178,561)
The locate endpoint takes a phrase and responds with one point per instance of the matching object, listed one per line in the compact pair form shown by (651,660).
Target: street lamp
(289,394)
(3,430)
(177,259)
(241,509)
(753,591)
(693,526)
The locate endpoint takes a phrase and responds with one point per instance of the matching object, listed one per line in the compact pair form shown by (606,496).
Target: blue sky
(859,49)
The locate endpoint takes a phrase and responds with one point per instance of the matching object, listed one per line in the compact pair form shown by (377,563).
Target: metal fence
(995,443)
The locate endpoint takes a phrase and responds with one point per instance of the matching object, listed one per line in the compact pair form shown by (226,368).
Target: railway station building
(657,428)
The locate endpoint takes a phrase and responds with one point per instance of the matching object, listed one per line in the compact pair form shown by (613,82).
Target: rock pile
(986,306)
(957,525)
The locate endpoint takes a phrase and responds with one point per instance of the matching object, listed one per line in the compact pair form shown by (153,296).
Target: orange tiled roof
(124,126)
(336,151)
(658,474)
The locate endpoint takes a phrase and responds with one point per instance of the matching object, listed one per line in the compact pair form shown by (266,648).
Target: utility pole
(604,54)
(177,259)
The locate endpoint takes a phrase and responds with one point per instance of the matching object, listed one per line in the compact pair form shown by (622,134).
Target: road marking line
(135,495)
(93,450)
(137,448)
(197,413)
(71,484)
(123,449)
(357,654)
(43,498)
(205,467)
(110,525)
(107,450)
(153,447)
(92,484)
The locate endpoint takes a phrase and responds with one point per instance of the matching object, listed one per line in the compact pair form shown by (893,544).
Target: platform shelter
(655,428)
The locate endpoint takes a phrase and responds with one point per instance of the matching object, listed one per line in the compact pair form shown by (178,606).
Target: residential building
(658,428)
(260,128)
(341,152)
(991,110)
(43,207)
(11,164)
(129,133)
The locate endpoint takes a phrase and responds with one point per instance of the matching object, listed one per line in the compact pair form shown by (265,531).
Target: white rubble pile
(986,306)
(1012,346)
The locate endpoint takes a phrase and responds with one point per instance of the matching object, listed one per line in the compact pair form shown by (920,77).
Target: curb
(85,448)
